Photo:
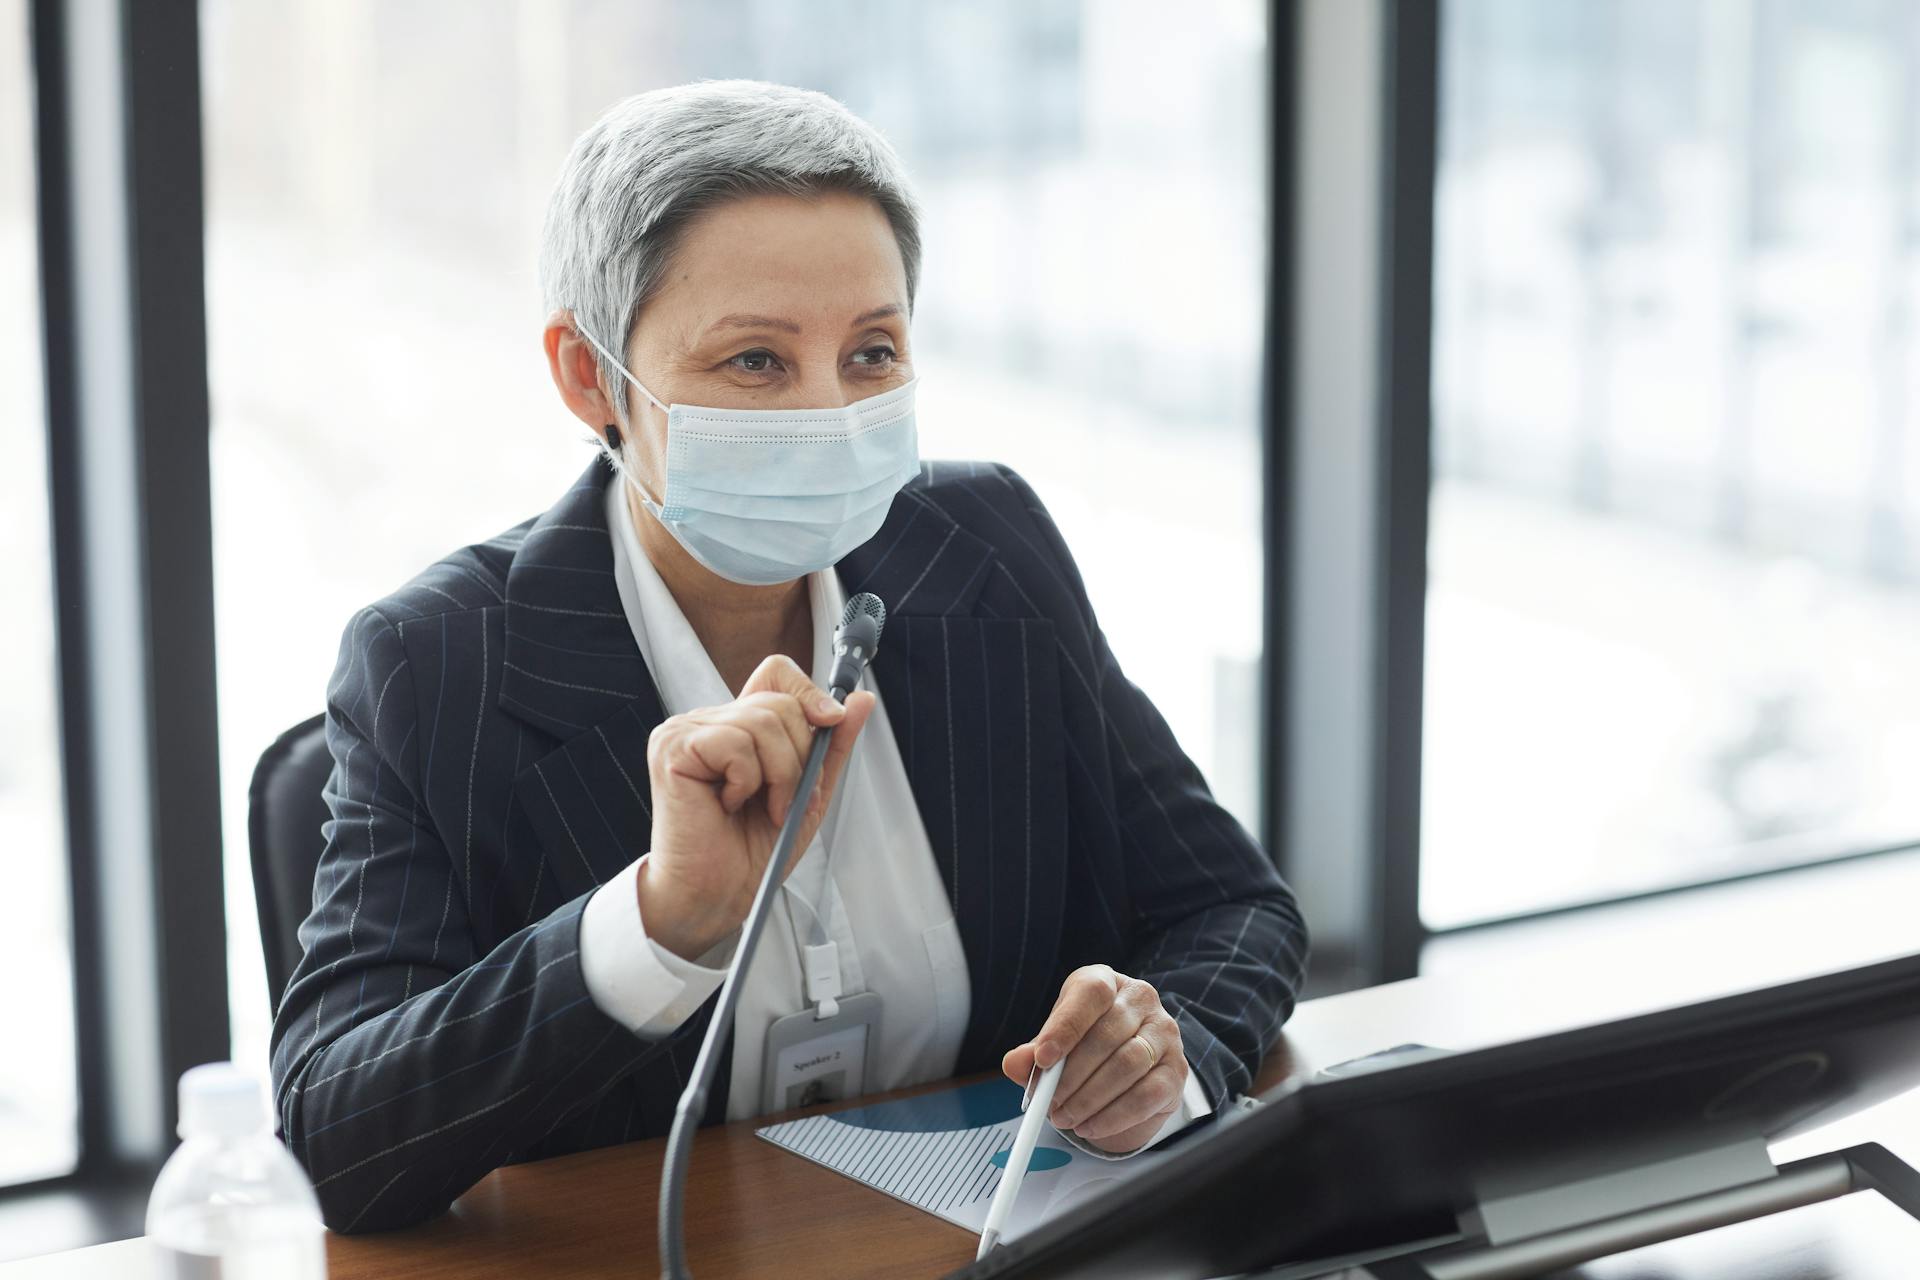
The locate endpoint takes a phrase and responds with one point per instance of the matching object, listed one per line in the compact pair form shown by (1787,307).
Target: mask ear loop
(616,455)
(615,442)
(624,371)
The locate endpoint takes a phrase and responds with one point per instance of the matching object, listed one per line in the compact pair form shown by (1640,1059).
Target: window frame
(1411,148)
(1347,647)
(123,338)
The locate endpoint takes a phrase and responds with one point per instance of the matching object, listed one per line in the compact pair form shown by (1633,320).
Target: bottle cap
(221,1100)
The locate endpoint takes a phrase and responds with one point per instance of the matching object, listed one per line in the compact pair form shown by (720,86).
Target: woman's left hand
(1125,1067)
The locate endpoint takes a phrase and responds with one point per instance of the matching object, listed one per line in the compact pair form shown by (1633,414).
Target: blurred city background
(1677,264)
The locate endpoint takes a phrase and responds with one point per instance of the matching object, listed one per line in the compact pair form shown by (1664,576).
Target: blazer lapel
(975,708)
(574,671)
(571,658)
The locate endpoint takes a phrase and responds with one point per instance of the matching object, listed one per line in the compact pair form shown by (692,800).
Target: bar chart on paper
(944,1153)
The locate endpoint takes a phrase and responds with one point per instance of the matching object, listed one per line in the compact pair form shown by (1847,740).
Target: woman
(561,755)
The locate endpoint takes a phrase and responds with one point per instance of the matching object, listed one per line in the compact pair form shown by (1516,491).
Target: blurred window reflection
(38,1107)
(1090,311)
(1673,604)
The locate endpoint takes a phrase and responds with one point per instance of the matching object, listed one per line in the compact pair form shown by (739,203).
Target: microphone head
(862,611)
(856,640)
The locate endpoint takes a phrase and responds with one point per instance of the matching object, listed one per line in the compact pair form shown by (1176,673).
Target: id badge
(812,1059)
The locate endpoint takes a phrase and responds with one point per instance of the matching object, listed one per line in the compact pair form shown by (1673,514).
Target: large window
(1090,311)
(1674,557)
(38,1109)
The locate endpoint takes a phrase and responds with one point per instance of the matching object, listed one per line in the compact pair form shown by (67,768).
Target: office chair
(284,812)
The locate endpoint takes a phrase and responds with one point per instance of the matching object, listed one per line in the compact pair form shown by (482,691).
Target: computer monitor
(1331,1166)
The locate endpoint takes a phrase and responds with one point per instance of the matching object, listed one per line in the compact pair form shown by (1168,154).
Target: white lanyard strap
(819,953)
(819,957)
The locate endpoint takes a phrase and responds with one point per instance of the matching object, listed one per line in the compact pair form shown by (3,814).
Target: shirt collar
(682,671)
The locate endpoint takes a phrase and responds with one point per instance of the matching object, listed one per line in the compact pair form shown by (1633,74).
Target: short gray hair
(656,160)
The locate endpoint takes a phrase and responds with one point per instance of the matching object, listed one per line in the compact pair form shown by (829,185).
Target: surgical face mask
(762,496)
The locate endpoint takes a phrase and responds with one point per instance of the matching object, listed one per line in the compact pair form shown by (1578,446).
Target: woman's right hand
(723,779)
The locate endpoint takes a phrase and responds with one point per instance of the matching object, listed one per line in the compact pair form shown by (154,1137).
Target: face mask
(762,496)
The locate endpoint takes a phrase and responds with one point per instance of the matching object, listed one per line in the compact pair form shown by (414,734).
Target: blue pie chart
(1044,1158)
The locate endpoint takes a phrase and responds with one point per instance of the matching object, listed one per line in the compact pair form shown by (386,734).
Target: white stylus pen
(1036,1104)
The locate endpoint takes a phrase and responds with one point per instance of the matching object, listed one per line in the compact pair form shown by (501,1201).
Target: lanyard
(819,954)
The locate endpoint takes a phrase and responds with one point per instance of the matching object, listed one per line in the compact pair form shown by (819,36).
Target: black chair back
(285,808)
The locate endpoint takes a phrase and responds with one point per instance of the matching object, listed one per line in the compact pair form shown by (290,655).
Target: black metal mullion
(1276,392)
(172,424)
(123,311)
(59,377)
(1409,121)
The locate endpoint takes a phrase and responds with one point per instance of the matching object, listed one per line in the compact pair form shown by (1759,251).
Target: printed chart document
(944,1152)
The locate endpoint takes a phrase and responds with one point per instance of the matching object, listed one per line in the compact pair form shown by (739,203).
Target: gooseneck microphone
(855,642)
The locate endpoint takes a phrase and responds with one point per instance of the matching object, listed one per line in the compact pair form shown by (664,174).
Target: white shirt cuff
(1193,1105)
(634,980)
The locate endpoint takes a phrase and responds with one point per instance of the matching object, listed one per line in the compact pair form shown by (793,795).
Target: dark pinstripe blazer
(489,724)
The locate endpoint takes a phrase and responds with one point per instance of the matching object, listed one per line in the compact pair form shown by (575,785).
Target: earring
(613,437)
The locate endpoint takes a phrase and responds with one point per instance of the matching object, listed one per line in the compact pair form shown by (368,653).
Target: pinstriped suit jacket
(489,724)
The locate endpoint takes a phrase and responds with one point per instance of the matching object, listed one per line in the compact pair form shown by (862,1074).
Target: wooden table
(756,1210)
(753,1209)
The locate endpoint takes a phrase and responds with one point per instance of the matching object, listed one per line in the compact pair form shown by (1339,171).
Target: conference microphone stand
(854,644)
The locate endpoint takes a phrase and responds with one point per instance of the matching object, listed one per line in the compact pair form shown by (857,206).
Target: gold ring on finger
(1153,1054)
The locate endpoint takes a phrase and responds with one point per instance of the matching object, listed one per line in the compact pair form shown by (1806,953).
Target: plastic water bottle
(232,1203)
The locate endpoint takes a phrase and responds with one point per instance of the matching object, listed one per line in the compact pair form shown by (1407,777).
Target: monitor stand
(1525,1233)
